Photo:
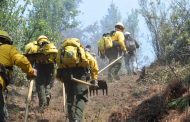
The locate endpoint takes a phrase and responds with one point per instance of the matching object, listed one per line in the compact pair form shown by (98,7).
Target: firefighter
(76,92)
(117,49)
(46,71)
(10,56)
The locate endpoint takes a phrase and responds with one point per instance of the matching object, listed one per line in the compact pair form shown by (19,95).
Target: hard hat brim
(5,37)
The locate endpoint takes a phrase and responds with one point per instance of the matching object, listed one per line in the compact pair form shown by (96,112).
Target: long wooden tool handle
(64,99)
(110,64)
(28,100)
(81,81)
(30,90)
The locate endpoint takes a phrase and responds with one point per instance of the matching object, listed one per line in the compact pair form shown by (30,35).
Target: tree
(169,27)
(180,26)
(131,23)
(27,19)
(51,18)
(12,20)
(113,16)
(154,15)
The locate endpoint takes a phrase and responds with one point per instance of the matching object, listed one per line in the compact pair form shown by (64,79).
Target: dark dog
(102,85)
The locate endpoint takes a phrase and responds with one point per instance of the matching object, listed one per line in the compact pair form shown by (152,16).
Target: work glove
(35,72)
(94,83)
(102,56)
(125,53)
(32,76)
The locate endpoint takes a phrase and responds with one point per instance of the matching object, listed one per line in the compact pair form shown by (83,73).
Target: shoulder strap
(1,44)
(62,55)
(112,33)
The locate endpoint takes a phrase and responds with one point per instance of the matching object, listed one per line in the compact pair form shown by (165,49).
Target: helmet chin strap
(11,42)
(4,41)
(119,29)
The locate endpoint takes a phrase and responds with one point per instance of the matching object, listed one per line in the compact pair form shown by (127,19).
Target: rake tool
(102,85)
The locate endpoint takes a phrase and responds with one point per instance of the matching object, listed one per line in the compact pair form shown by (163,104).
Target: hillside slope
(122,97)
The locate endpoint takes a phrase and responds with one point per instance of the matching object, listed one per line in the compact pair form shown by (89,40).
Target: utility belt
(76,72)
(114,51)
(44,62)
(5,74)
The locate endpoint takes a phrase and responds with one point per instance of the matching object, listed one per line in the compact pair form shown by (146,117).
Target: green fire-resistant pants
(114,69)
(2,112)
(112,54)
(3,108)
(45,74)
(76,92)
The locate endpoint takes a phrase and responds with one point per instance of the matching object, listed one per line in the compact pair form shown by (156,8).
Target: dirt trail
(122,95)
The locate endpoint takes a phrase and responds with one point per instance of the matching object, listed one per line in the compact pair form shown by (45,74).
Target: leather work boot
(117,77)
(110,79)
(41,109)
(134,73)
(48,99)
(74,120)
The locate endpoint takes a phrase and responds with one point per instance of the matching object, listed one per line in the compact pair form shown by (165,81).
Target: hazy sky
(94,10)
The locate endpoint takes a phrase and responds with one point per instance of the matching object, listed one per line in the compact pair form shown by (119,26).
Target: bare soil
(123,96)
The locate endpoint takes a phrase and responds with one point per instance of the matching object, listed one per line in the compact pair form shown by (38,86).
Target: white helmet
(120,24)
(127,33)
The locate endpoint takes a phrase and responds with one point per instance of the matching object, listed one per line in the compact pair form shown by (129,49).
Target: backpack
(48,48)
(104,43)
(31,48)
(71,54)
(131,45)
(6,75)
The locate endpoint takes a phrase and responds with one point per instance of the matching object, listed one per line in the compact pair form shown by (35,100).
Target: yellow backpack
(104,43)
(49,48)
(71,54)
(31,48)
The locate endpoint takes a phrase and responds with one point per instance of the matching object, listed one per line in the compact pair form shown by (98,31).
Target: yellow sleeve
(93,66)
(21,61)
(119,36)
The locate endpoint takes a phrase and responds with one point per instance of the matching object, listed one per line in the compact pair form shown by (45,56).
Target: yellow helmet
(42,39)
(48,48)
(5,35)
(31,47)
(71,42)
